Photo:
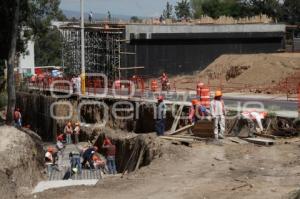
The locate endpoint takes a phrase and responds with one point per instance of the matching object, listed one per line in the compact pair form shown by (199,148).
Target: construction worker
(165,85)
(75,161)
(110,157)
(68,132)
(217,109)
(254,118)
(18,118)
(160,116)
(49,159)
(88,156)
(77,132)
(192,111)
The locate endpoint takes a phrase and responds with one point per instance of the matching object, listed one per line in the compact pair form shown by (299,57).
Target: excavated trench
(136,145)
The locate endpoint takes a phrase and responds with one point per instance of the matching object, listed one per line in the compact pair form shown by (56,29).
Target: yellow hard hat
(218,93)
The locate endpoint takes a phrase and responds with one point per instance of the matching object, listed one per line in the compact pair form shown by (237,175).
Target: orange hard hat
(195,101)
(263,114)
(218,93)
(50,149)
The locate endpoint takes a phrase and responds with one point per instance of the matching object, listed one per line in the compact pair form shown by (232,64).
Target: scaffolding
(102,49)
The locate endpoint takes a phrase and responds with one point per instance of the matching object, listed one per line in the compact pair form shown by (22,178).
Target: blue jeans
(160,126)
(111,164)
(68,139)
(75,163)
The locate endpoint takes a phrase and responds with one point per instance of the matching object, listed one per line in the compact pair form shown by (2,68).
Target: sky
(147,8)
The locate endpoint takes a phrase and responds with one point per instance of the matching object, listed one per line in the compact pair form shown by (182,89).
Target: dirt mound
(244,72)
(21,162)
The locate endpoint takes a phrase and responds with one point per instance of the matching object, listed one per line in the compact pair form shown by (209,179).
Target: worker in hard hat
(165,85)
(68,130)
(88,155)
(49,159)
(77,132)
(192,111)
(217,109)
(254,119)
(160,116)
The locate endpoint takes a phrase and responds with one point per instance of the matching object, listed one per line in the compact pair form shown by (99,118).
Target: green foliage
(36,15)
(183,9)
(48,49)
(168,11)
(242,8)
(291,11)
(135,19)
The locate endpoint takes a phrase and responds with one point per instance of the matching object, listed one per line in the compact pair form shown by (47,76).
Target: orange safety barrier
(199,87)
(205,96)
(154,86)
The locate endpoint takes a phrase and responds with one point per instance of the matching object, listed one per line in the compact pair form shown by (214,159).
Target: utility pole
(82,49)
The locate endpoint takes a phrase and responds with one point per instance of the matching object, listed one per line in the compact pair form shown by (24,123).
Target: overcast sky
(119,7)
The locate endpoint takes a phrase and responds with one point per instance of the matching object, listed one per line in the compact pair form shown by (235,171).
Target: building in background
(26,60)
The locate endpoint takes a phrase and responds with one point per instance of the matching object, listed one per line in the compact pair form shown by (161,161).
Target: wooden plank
(176,119)
(181,129)
(237,140)
(188,140)
(260,141)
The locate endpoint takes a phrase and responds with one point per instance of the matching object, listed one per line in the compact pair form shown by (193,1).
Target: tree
(32,17)
(291,11)
(135,19)
(11,93)
(183,9)
(168,11)
(196,6)
(48,49)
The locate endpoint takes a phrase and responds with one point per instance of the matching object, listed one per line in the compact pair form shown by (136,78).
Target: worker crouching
(218,114)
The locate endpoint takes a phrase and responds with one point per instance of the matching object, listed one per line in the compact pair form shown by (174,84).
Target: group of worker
(69,132)
(89,156)
(216,112)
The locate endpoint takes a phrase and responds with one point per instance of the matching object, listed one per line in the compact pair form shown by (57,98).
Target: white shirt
(217,108)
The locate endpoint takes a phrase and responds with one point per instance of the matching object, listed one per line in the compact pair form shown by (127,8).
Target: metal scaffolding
(102,50)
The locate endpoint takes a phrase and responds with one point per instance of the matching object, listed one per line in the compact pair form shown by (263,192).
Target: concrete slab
(44,185)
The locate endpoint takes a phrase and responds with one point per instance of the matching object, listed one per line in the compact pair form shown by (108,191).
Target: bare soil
(21,162)
(247,72)
(204,171)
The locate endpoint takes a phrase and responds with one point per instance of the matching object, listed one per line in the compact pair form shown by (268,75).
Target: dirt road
(205,171)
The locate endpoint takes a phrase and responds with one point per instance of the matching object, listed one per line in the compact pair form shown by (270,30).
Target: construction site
(183,110)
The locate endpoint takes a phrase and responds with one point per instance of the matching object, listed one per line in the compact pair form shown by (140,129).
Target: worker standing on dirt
(111,157)
(77,132)
(217,109)
(160,116)
(68,132)
(49,160)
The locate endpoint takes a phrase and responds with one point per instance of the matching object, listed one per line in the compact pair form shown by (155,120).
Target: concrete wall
(185,48)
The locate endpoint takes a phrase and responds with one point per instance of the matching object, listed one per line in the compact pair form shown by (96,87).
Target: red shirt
(110,150)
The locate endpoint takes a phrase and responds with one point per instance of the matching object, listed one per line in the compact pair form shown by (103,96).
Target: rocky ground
(204,171)
(21,162)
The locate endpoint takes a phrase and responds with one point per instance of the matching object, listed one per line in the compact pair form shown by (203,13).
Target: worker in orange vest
(217,109)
